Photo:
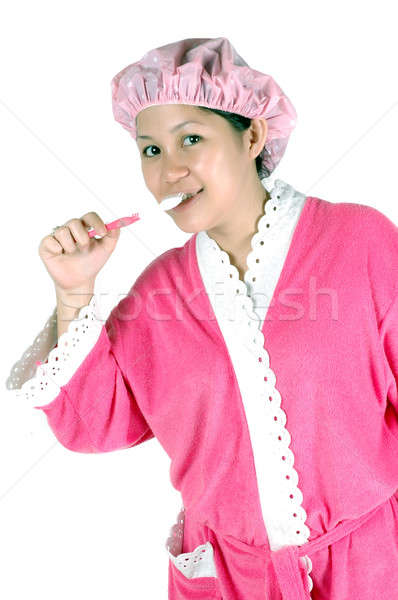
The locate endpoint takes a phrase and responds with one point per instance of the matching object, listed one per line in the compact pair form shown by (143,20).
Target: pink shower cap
(205,72)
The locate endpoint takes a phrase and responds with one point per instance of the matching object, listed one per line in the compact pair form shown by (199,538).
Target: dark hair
(241,123)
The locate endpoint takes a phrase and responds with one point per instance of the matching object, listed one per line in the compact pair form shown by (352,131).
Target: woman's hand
(73,259)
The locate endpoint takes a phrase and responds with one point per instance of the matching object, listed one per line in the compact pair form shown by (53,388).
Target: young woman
(263,353)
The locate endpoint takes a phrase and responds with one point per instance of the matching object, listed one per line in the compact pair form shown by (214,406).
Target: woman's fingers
(75,231)
(51,245)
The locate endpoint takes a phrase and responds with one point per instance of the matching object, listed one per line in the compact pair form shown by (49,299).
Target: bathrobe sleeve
(389,338)
(83,389)
(381,234)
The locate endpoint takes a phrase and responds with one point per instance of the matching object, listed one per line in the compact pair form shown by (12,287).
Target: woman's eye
(145,149)
(192,136)
(148,147)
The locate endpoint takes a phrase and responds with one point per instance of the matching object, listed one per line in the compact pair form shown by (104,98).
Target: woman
(279,414)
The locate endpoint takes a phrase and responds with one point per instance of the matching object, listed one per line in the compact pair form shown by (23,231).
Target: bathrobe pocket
(192,574)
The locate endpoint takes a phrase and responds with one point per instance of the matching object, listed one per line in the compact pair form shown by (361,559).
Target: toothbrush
(122,222)
(165,204)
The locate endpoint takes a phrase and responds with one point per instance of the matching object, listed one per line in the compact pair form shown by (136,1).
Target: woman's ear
(258,131)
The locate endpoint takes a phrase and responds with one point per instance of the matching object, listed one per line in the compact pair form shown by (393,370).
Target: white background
(94,526)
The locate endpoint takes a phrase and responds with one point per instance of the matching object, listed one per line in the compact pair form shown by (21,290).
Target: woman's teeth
(186,196)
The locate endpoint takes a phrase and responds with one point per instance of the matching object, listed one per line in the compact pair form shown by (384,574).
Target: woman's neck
(237,243)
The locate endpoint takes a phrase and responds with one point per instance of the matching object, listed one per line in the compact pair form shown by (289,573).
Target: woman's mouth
(188,202)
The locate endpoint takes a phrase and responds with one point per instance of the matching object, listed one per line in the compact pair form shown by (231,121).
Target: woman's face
(208,154)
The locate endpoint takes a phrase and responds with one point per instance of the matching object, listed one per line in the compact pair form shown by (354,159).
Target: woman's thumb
(113,233)
(110,238)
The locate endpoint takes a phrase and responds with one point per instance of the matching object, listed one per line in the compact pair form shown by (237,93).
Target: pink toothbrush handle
(122,222)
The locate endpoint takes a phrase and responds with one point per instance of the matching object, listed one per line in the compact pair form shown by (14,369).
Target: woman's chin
(188,227)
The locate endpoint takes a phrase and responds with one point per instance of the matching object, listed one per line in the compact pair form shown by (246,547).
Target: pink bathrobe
(280,421)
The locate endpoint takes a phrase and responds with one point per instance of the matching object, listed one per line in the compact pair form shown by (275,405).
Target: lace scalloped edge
(40,348)
(249,337)
(63,360)
(188,562)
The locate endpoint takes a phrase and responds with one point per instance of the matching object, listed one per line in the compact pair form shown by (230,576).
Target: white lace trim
(73,347)
(43,343)
(269,244)
(308,565)
(283,514)
(199,562)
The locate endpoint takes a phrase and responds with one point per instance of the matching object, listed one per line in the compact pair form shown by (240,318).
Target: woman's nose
(174,170)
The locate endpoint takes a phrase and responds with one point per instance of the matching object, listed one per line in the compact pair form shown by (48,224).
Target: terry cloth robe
(275,397)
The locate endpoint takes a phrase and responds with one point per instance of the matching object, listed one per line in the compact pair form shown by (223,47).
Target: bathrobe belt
(286,561)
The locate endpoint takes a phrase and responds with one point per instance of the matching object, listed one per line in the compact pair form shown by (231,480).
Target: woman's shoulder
(368,226)
(366,240)
(164,265)
(163,271)
(361,214)
(154,285)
